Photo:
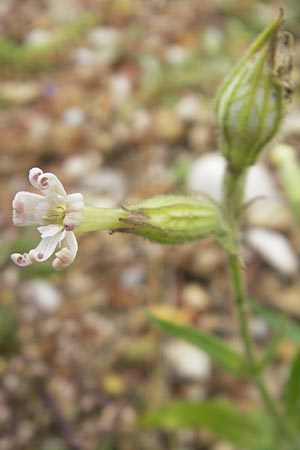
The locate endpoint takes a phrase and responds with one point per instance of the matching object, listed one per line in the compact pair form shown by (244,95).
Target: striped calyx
(250,103)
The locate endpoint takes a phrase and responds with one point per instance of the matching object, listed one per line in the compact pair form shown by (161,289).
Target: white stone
(120,88)
(275,249)
(176,54)
(188,108)
(73,116)
(207,173)
(102,37)
(44,294)
(38,36)
(187,361)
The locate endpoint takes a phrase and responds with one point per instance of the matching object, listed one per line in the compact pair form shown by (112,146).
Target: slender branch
(233,195)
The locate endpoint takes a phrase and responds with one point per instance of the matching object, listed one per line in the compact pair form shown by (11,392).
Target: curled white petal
(21,260)
(74,211)
(63,259)
(67,254)
(29,209)
(50,185)
(34,175)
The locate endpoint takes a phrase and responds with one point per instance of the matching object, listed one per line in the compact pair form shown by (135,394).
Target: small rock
(176,54)
(80,165)
(195,296)
(38,37)
(105,181)
(85,57)
(188,108)
(103,37)
(167,125)
(207,176)
(43,293)
(132,277)
(275,249)
(259,328)
(120,88)
(288,299)
(187,361)
(73,117)
(19,92)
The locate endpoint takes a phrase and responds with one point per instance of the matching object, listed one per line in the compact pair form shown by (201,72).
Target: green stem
(233,195)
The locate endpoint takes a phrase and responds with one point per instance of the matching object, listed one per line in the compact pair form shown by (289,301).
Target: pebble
(167,125)
(195,296)
(275,249)
(187,361)
(19,92)
(188,108)
(103,37)
(80,165)
(291,123)
(85,57)
(207,174)
(44,294)
(288,299)
(176,54)
(132,277)
(38,36)
(105,181)
(73,116)
(120,88)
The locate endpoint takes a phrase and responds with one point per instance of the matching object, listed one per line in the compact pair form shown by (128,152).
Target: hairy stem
(233,195)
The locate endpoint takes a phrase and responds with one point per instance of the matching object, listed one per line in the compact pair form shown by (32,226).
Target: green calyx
(250,104)
(172,219)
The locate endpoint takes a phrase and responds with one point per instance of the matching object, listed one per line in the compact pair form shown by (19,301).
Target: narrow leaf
(222,419)
(217,349)
(292,388)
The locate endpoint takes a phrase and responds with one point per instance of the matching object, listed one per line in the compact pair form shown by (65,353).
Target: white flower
(56,215)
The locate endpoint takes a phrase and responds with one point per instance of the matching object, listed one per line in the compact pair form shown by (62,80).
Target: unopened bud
(249,105)
(172,219)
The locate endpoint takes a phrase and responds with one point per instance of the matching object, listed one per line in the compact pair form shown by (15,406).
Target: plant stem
(233,196)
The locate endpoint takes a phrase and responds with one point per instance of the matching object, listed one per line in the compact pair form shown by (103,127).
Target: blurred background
(115,97)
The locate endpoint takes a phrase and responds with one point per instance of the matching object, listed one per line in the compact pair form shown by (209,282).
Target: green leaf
(222,419)
(219,352)
(292,388)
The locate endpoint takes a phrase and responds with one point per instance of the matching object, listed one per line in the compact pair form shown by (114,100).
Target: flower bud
(249,105)
(172,219)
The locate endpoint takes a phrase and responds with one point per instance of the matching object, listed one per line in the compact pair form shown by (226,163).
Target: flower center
(55,215)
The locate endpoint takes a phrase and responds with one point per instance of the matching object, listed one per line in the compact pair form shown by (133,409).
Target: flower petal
(29,209)
(74,211)
(67,254)
(21,260)
(50,230)
(48,184)
(45,248)
(34,174)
